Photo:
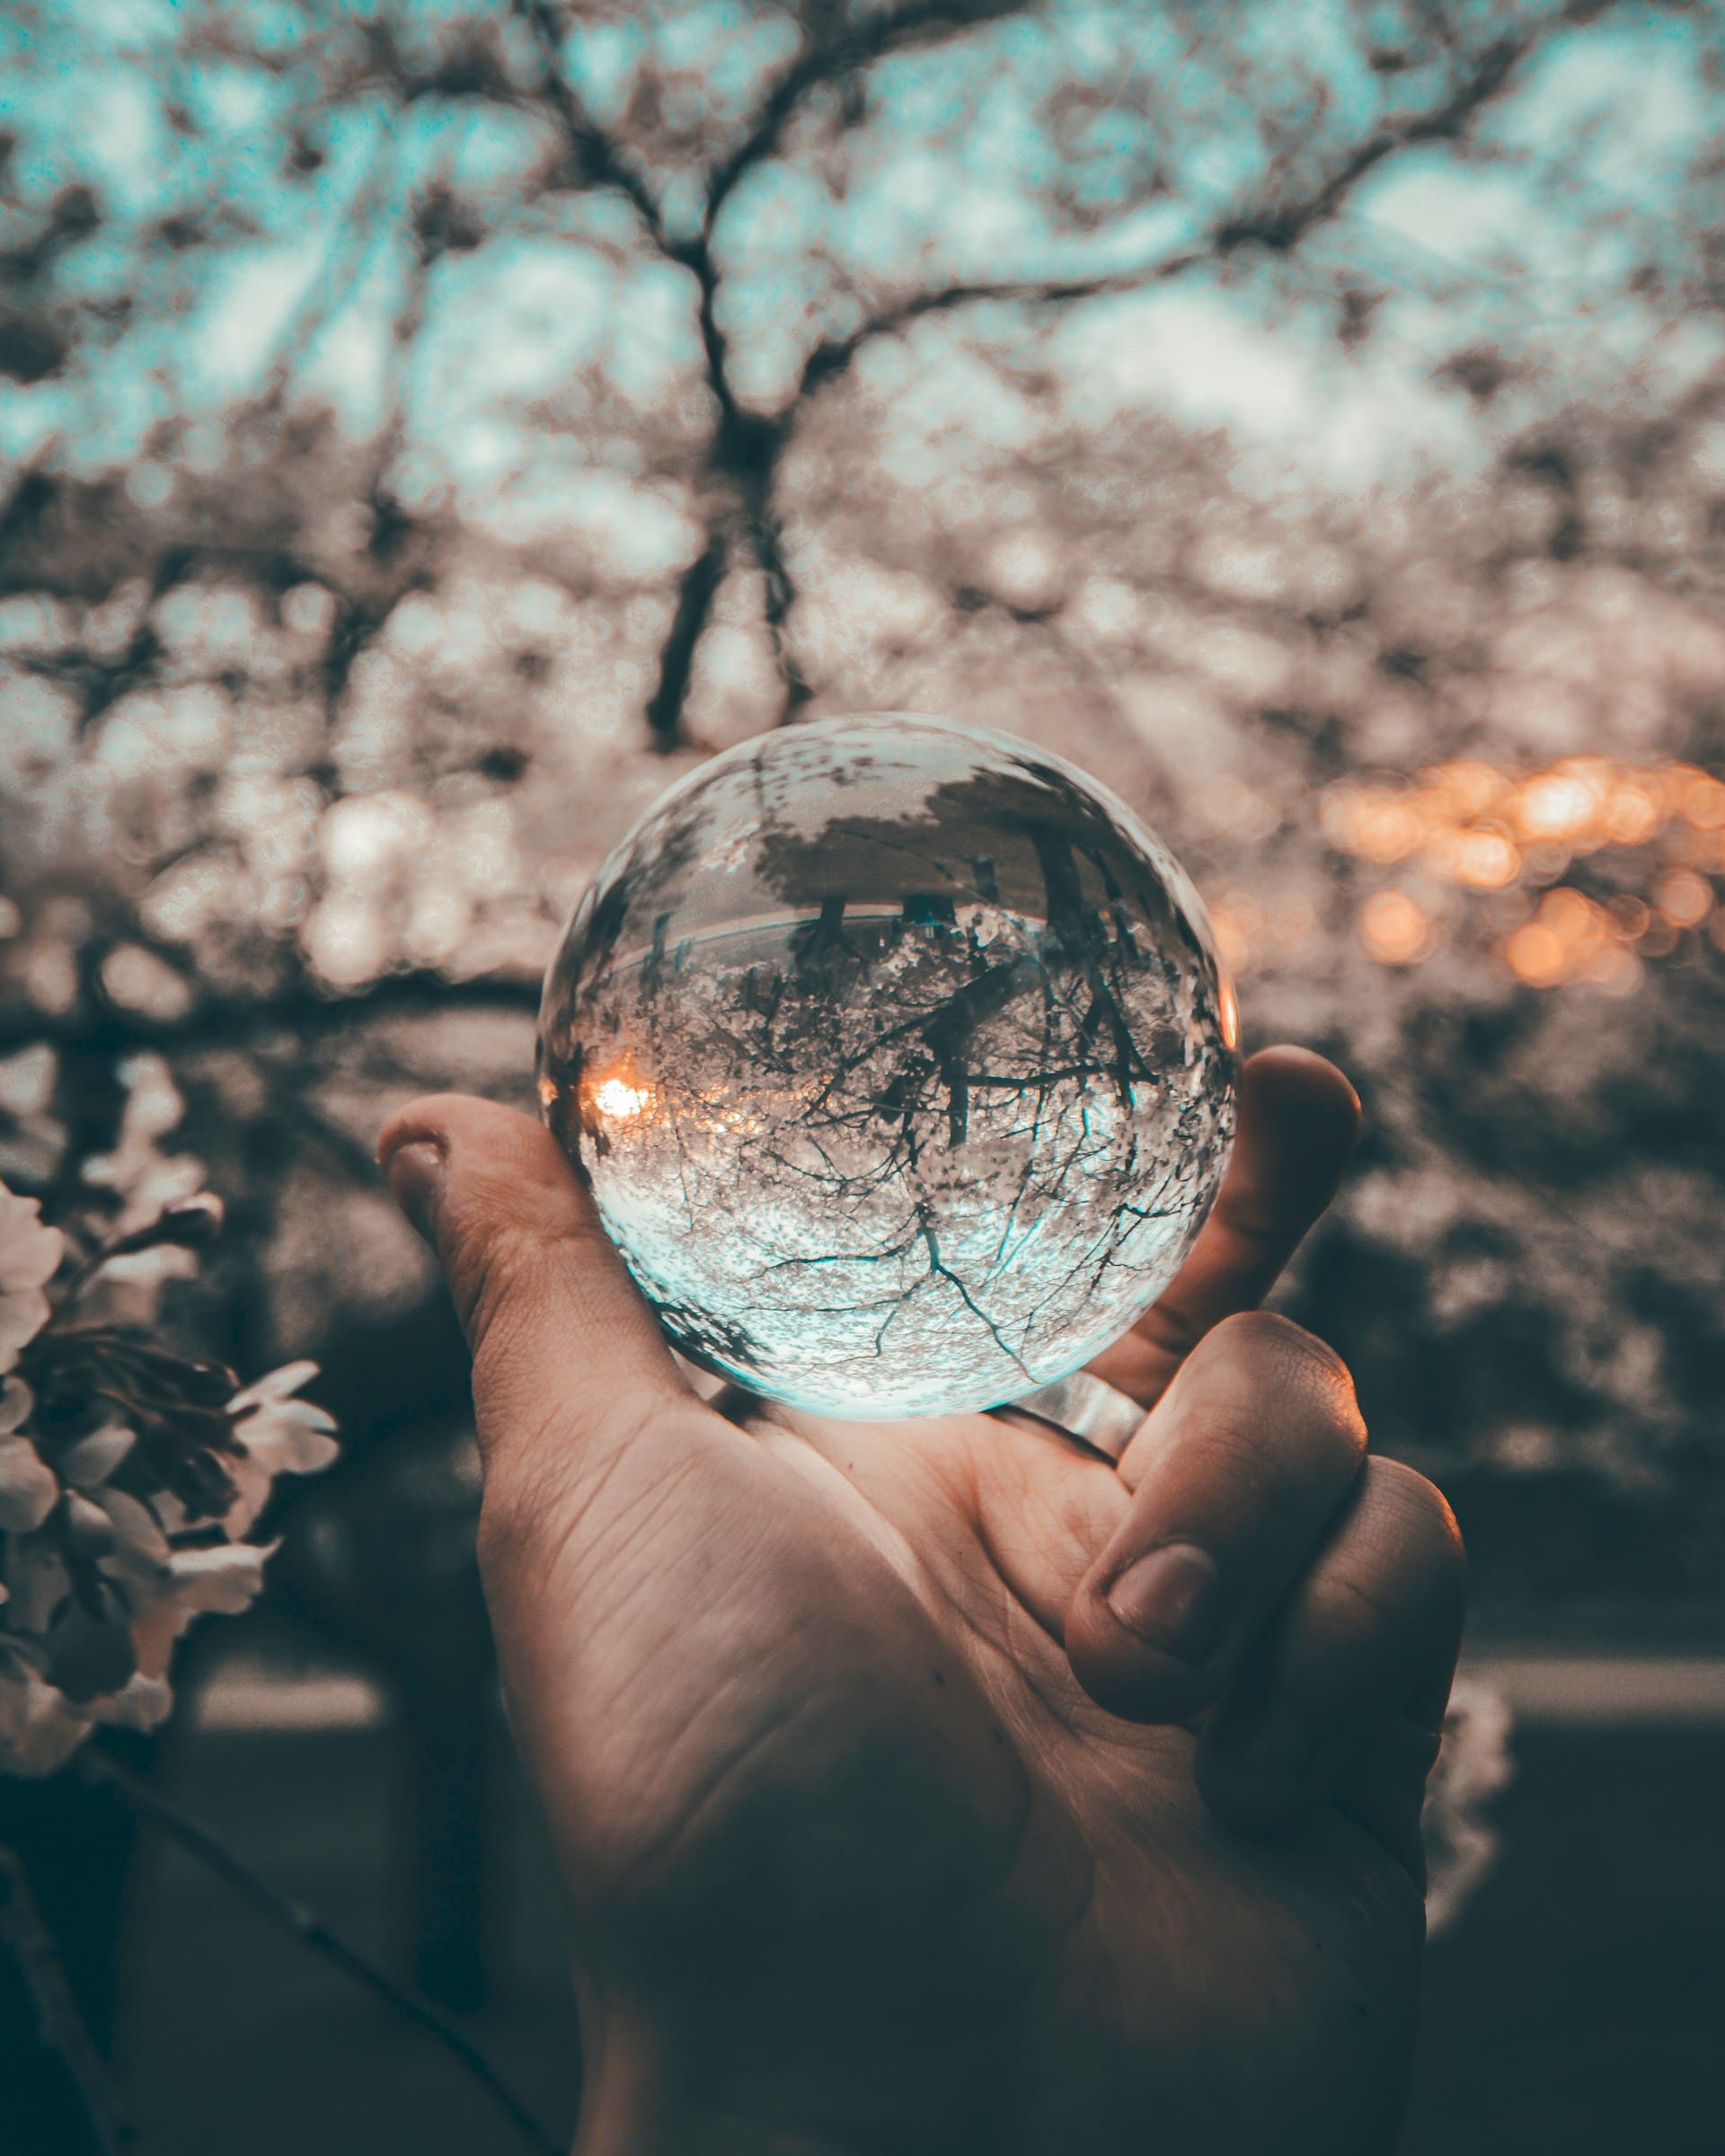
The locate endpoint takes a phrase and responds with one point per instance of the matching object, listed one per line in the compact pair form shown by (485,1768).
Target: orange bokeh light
(1574,939)
(1703,802)
(1489,828)
(1584,803)
(1394,928)
(1537,955)
(1684,898)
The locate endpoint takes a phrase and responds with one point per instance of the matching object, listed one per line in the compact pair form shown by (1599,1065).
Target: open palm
(946,1785)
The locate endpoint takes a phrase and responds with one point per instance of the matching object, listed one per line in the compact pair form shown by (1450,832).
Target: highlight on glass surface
(900,1060)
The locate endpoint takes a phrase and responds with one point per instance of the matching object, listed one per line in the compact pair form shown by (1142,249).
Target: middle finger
(1234,1477)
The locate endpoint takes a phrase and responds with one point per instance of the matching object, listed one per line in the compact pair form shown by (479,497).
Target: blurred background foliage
(429,426)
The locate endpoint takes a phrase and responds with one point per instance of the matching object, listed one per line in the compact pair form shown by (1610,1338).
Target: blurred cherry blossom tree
(427,428)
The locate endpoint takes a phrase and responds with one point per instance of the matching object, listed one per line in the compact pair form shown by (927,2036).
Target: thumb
(570,1366)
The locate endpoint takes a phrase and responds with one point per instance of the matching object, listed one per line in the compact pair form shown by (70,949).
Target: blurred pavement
(1576,2007)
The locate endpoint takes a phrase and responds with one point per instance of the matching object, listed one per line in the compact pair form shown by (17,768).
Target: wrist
(654,2090)
(651,2090)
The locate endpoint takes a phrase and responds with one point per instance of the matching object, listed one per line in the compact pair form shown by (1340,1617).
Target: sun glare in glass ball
(900,1062)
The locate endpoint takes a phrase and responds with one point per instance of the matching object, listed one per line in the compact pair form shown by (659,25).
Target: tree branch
(1282,229)
(780,596)
(1278,229)
(747,448)
(834,355)
(299,1924)
(597,160)
(855,47)
(695,593)
(59,2022)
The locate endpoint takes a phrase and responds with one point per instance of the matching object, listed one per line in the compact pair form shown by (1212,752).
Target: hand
(941,1786)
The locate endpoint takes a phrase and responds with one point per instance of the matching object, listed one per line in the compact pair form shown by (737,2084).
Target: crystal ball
(899,1060)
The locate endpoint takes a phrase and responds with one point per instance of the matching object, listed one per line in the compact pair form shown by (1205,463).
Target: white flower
(88,1463)
(40,1729)
(290,1436)
(74,1515)
(281,1435)
(30,1257)
(146,1703)
(227,1579)
(139,1543)
(28,1486)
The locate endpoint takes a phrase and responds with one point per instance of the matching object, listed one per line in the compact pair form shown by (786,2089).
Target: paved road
(1577,2008)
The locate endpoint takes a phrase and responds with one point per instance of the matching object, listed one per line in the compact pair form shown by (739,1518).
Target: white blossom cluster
(129,1479)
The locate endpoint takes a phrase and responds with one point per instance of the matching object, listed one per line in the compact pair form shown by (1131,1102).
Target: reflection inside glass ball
(899,1060)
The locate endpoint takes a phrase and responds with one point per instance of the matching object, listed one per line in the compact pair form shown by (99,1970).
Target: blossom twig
(59,2021)
(300,1923)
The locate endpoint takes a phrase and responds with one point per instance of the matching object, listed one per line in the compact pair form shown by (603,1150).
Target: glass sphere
(900,1062)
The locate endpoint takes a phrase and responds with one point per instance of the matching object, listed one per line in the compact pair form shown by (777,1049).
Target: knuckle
(1419,1516)
(1301,1393)
(1265,1339)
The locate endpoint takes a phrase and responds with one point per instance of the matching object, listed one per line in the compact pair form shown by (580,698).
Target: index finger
(568,1358)
(1298,1120)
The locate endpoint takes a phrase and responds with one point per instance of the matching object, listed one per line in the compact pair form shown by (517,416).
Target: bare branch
(694,596)
(594,157)
(833,356)
(1278,229)
(780,596)
(747,448)
(1282,229)
(839,58)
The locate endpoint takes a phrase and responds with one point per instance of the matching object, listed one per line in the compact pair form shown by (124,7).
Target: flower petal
(92,1459)
(229,1577)
(39,1581)
(30,1253)
(294,1439)
(137,1530)
(24,1312)
(252,1481)
(40,1729)
(146,1703)
(29,1489)
(16,1402)
(274,1384)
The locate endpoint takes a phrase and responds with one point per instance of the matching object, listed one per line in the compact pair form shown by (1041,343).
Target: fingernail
(1171,1598)
(415,1175)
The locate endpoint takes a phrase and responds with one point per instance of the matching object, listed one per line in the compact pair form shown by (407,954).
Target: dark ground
(1578,2007)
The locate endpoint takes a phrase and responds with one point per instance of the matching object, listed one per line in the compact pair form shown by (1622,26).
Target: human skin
(885,1829)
